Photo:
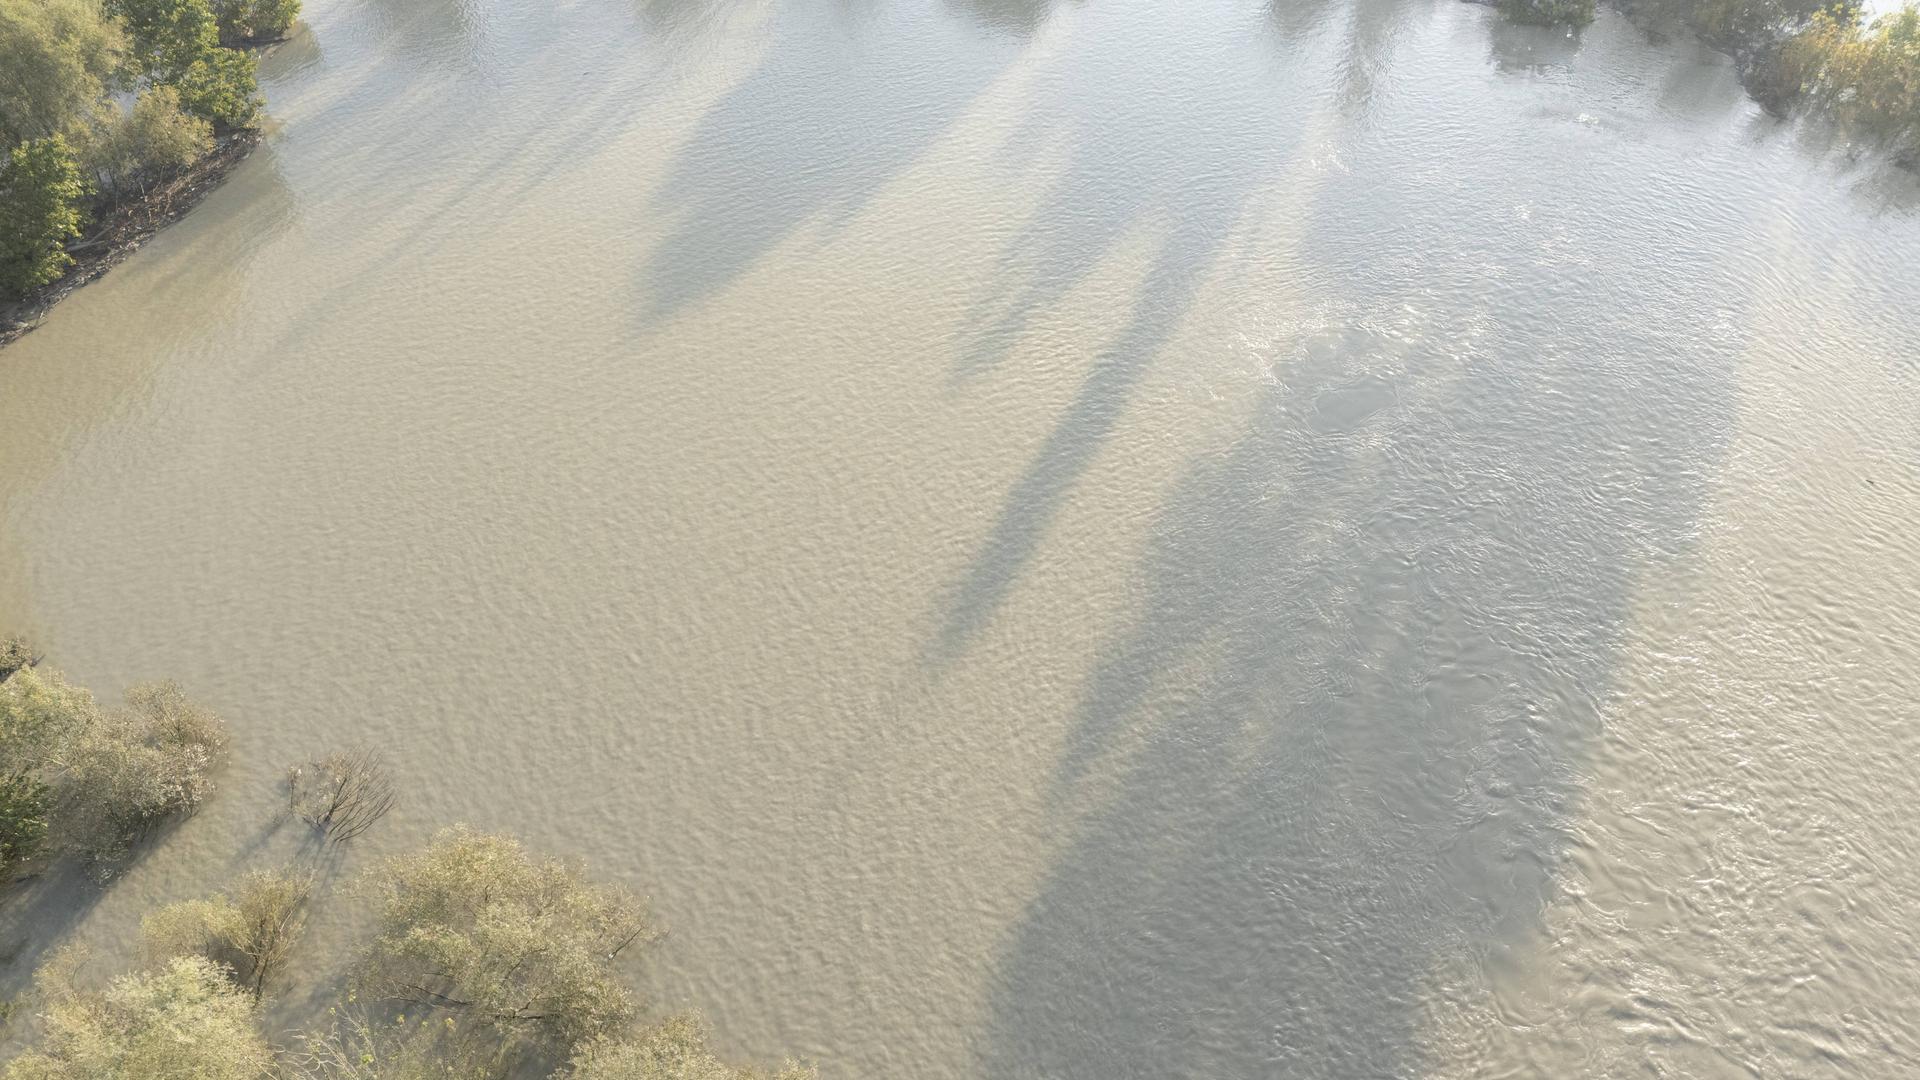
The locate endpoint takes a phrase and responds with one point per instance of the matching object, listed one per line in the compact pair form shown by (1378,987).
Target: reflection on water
(1240,538)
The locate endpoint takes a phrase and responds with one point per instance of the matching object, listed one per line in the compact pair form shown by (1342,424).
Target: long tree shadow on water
(836,108)
(1334,761)
(1187,159)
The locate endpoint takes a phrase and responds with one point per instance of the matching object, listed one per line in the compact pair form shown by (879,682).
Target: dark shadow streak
(831,114)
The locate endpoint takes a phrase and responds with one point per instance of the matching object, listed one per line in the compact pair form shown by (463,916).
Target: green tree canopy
(155,139)
(177,43)
(40,193)
(57,59)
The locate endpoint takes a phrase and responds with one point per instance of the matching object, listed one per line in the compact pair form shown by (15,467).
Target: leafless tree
(341,795)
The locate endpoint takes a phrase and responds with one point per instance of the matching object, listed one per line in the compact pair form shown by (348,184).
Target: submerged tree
(341,795)
(16,652)
(250,931)
(110,776)
(23,820)
(184,1021)
(519,948)
(131,768)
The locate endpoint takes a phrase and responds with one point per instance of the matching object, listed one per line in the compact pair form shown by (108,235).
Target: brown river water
(1324,539)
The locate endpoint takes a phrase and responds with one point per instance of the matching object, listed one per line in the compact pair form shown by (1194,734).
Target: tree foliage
(133,767)
(40,713)
(1866,74)
(220,86)
(111,775)
(66,66)
(153,141)
(250,930)
(1748,28)
(177,43)
(518,946)
(184,1021)
(24,803)
(353,1047)
(16,652)
(246,21)
(676,1050)
(57,60)
(40,193)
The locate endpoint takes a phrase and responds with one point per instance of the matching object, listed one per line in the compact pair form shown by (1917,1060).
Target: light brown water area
(1326,539)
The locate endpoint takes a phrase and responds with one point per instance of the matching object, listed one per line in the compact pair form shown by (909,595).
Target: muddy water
(1052,539)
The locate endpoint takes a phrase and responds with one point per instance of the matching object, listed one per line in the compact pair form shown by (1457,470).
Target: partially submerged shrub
(134,767)
(404,1048)
(15,653)
(518,947)
(24,801)
(250,932)
(340,795)
(185,1021)
(107,777)
(676,1050)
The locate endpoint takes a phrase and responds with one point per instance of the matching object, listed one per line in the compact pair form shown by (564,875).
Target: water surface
(1324,539)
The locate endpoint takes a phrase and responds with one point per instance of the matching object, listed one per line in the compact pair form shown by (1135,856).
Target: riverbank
(123,228)
(1855,67)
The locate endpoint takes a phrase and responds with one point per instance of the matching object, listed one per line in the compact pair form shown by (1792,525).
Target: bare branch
(341,795)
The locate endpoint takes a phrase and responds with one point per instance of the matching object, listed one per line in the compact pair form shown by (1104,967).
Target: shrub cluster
(94,781)
(486,960)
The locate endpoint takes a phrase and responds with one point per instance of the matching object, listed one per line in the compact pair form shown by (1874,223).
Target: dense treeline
(102,101)
(1863,72)
(484,960)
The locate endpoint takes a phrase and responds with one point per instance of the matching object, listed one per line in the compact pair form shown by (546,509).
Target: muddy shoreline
(123,228)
